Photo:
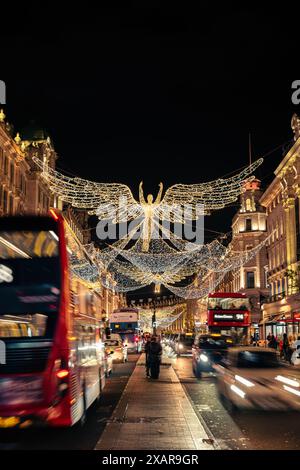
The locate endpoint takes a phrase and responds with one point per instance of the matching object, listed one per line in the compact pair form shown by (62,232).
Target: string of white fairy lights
(138,261)
(104,198)
(165,316)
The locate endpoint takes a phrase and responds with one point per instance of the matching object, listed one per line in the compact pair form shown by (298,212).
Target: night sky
(135,94)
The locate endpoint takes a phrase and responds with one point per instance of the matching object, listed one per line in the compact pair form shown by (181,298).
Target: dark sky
(154,94)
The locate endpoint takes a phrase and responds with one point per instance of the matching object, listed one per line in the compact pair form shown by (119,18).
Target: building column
(291,249)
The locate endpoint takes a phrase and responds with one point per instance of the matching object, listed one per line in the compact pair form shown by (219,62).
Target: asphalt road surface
(79,438)
(245,430)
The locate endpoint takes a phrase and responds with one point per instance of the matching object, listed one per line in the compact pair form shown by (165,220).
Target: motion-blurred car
(116,349)
(183,344)
(208,350)
(254,378)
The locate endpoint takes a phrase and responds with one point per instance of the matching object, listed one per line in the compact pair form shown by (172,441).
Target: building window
(248,225)
(12,173)
(248,205)
(11,204)
(278,286)
(5,165)
(250,280)
(5,208)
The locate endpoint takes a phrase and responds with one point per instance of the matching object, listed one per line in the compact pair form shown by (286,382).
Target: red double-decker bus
(53,366)
(229,313)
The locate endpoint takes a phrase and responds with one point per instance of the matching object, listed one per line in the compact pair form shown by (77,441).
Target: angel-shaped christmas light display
(150,259)
(115,202)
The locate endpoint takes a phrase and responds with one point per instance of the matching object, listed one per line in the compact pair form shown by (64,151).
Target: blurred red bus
(54,350)
(229,313)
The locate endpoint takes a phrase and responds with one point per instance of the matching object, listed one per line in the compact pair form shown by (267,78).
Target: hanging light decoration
(151,252)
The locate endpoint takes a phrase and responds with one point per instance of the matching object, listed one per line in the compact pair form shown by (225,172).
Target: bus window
(27,326)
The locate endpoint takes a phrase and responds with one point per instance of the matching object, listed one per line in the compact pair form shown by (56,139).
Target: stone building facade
(281,313)
(22,190)
(249,229)
(14,170)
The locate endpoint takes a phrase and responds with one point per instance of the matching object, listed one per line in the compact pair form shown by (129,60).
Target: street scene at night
(149,235)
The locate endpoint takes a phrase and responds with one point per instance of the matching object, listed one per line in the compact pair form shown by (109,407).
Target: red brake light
(61,374)
(136,339)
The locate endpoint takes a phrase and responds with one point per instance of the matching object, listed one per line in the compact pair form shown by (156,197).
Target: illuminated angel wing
(212,195)
(111,201)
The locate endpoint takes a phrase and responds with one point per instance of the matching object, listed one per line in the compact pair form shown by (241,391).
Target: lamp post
(154,318)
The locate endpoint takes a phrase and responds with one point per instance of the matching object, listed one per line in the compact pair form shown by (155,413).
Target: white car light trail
(244,381)
(287,381)
(291,390)
(238,391)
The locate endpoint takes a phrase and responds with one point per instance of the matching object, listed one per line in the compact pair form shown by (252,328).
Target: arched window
(248,205)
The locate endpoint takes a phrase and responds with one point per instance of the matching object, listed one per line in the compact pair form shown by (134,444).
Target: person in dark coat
(286,347)
(272,343)
(147,346)
(154,357)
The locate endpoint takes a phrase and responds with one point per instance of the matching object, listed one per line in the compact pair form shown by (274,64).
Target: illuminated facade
(249,229)
(35,142)
(14,170)
(281,199)
(22,190)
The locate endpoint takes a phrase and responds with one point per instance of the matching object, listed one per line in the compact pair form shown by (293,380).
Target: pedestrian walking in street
(272,343)
(269,337)
(286,347)
(281,348)
(295,357)
(296,343)
(154,357)
(146,348)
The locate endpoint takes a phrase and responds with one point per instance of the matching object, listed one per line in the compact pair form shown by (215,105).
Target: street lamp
(152,304)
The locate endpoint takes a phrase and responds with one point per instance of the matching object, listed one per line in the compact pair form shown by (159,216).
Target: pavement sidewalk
(154,415)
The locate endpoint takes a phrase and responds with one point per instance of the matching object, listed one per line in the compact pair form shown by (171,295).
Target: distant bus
(126,322)
(229,313)
(54,338)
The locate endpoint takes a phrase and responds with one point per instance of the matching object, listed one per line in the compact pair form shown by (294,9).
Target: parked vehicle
(254,378)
